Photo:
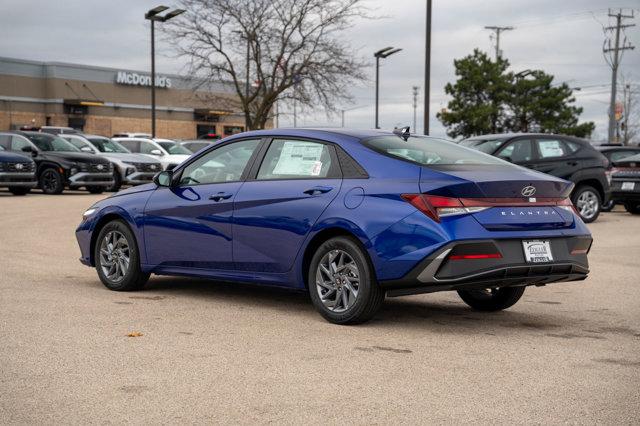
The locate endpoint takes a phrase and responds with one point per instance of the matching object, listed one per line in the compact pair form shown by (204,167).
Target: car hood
(14,157)
(135,190)
(78,157)
(134,158)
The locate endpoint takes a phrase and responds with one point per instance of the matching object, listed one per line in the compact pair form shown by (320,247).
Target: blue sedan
(349,216)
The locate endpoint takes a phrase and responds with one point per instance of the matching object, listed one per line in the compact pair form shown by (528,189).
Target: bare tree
(268,50)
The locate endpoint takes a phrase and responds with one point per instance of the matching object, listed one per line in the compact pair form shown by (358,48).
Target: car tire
(490,300)
(351,295)
(18,190)
(95,189)
(117,182)
(587,202)
(117,258)
(607,207)
(633,208)
(51,181)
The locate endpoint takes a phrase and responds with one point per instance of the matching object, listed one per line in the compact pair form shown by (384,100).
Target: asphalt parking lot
(218,353)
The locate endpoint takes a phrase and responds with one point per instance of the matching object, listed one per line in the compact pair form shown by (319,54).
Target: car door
(553,157)
(189,224)
(281,201)
(519,151)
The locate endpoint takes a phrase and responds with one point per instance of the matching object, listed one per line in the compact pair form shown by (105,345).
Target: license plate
(628,186)
(537,251)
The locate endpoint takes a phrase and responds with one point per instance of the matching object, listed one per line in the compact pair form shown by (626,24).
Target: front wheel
(342,284)
(95,189)
(587,201)
(117,258)
(491,299)
(19,190)
(633,208)
(51,181)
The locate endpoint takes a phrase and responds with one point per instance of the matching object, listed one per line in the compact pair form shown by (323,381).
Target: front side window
(147,147)
(225,164)
(550,148)
(518,151)
(429,151)
(47,142)
(294,159)
(174,148)
(108,145)
(18,143)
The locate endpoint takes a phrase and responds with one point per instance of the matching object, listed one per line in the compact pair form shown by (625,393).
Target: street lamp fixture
(382,53)
(153,15)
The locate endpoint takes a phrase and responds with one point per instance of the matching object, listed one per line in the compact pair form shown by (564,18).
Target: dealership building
(106,101)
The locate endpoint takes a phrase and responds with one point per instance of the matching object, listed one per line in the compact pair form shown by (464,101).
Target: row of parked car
(603,175)
(53,159)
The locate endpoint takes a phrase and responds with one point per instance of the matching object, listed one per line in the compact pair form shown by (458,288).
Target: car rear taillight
(609,173)
(476,256)
(437,207)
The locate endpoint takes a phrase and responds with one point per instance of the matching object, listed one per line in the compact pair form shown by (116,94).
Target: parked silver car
(129,168)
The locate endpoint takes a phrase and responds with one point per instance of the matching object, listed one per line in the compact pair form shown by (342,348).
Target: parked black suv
(614,153)
(566,157)
(60,164)
(17,172)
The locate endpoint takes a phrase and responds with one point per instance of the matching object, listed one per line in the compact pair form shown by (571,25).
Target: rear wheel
(95,189)
(607,207)
(342,283)
(19,190)
(633,208)
(587,201)
(491,299)
(51,181)
(117,258)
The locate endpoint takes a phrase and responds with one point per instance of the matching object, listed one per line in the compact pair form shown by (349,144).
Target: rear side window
(551,148)
(296,159)
(428,151)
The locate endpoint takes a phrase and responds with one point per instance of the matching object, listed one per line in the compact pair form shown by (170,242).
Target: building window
(232,130)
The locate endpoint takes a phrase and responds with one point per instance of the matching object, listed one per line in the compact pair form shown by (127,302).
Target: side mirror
(163,178)
(156,152)
(27,148)
(86,149)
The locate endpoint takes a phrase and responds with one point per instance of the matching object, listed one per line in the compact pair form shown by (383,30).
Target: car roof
(616,148)
(317,131)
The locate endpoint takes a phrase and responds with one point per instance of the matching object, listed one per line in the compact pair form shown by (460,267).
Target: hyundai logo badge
(19,166)
(528,191)
(100,167)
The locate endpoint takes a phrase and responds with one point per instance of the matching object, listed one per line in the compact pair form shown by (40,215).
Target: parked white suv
(168,152)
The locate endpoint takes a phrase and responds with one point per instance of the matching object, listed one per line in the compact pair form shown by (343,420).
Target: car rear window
(488,146)
(428,151)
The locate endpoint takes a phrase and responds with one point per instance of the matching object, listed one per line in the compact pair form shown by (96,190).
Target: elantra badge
(528,191)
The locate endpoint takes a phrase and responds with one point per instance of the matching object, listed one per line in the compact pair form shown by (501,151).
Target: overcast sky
(563,38)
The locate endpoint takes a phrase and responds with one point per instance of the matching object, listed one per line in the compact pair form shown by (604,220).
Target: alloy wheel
(49,180)
(587,204)
(337,280)
(115,256)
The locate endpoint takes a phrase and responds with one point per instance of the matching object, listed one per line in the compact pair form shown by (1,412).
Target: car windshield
(629,159)
(108,145)
(488,146)
(47,142)
(428,151)
(174,148)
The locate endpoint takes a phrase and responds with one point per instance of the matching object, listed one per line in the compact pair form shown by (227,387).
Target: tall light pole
(382,53)
(427,70)
(153,16)
(343,110)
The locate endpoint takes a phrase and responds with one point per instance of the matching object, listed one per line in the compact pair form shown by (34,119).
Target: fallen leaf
(135,334)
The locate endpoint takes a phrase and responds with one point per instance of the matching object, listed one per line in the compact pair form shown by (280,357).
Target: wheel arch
(104,219)
(592,182)
(326,234)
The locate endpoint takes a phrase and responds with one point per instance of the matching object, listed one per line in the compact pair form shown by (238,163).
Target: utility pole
(427,71)
(627,112)
(614,61)
(415,106)
(498,30)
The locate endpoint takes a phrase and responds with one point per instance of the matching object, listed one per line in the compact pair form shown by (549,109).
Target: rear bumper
(625,196)
(438,273)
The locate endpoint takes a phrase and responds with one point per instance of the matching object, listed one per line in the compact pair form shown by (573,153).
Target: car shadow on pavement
(412,311)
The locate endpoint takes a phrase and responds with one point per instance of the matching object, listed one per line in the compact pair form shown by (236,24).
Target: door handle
(220,196)
(318,190)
